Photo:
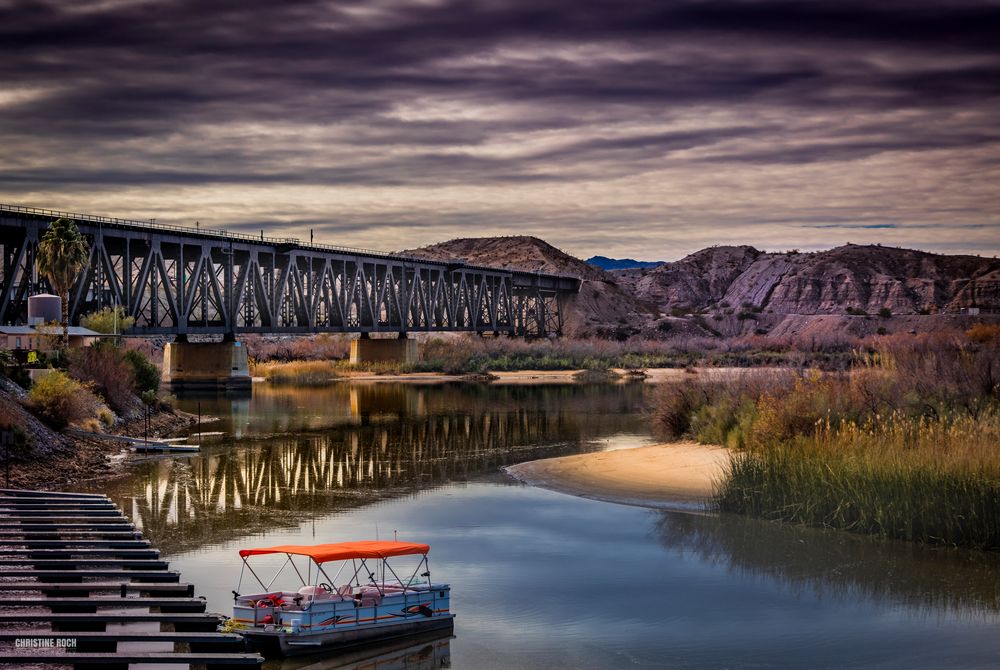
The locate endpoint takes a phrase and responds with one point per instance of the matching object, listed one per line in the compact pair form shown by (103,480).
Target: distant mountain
(842,280)
(606,263)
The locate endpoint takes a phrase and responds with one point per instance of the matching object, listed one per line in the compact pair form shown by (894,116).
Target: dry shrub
(905,446)
(13,422)
(935,373)
(930,376)
(111,376)
(324,346)
(718,412)
(60,400)
(981,333)
(321,347)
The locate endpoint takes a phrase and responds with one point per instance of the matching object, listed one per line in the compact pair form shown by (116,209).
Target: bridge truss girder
(183,282)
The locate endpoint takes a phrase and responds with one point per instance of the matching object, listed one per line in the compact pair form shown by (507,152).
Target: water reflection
(412,653)
(839,565)
(284,409)
(544,580)
(326,450)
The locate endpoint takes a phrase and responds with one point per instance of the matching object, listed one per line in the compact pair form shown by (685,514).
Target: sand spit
(676,475)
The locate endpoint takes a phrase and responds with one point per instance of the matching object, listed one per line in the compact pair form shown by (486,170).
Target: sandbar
(677,475)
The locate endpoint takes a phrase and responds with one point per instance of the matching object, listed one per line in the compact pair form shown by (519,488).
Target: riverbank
(69,460)
(904,447)
(671,475)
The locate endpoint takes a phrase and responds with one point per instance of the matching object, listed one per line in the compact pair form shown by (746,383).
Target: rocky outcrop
(697,280)
(982,290)
(842,280)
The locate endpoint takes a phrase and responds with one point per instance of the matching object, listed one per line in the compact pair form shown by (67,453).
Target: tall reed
(906,446)
(307,373)
(929,480)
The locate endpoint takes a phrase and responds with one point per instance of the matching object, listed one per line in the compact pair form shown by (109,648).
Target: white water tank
(43,308)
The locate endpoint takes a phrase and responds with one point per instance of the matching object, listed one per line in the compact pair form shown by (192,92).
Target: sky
(626,129)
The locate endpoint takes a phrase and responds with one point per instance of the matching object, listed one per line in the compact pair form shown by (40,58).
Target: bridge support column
(397,350)
(206,365)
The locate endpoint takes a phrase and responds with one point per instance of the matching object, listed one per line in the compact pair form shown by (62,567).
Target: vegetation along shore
(904,446)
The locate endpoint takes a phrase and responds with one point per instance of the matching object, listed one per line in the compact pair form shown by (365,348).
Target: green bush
(59,400)
(107,320)
(885,313)
(147,375)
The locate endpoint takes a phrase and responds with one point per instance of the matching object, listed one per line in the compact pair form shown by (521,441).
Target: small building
(43,338)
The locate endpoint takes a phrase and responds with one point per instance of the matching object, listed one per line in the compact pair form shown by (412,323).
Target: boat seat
(370,596)
(318,593)
(346,590)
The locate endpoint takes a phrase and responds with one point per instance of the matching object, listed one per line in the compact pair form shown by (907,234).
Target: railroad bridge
(176,280)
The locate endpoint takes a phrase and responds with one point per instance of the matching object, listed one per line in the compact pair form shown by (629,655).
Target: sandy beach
(673,475)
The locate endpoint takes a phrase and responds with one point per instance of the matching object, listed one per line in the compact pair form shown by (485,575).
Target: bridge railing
(149,225)
(293,241)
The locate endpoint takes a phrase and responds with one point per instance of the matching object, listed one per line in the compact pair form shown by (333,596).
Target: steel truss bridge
(179,280)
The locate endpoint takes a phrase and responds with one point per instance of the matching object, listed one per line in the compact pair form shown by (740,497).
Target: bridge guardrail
(216,232)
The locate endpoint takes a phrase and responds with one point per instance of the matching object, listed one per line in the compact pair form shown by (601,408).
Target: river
(541,579)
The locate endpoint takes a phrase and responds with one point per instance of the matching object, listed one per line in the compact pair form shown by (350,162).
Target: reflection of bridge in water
(350,445)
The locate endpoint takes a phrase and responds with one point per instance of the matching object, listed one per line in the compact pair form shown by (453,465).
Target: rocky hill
(601,308)
(847,279)
(732,290)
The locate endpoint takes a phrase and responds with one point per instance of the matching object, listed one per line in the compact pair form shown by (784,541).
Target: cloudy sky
(642,129)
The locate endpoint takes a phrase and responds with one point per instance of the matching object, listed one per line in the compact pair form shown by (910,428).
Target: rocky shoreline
(59,461)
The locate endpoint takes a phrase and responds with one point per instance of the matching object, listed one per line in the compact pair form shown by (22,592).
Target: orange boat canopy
(342,551)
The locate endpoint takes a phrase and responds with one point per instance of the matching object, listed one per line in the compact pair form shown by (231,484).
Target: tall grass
(307,373)
(906,446)
(933,480)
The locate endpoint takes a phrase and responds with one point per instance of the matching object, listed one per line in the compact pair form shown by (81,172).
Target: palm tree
(62,253)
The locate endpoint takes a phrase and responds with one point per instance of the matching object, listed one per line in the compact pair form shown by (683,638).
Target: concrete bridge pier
(400,349)
(220,366)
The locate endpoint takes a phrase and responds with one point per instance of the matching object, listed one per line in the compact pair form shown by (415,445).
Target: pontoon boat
(373,604)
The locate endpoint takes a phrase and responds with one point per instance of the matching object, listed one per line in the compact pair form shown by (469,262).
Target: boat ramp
(80,587)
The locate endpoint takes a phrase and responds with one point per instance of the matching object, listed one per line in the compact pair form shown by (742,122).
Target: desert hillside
(732,290)
(846,279)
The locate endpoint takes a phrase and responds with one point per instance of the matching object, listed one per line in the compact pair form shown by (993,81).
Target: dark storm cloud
(108,96)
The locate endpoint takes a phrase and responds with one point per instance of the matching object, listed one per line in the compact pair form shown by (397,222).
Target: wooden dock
(77,579)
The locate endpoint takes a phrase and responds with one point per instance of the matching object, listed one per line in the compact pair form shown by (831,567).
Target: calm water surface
(541,579)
